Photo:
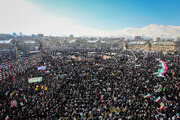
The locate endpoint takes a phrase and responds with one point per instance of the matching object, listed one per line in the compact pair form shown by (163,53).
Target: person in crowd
(111,89)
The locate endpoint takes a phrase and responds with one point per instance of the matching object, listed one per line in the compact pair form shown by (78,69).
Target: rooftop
(5,41)
(138,42)
(29,41)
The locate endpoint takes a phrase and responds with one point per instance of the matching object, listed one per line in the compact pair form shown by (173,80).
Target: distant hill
(151,31)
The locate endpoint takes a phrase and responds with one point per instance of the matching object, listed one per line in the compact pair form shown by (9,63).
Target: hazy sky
(80,17)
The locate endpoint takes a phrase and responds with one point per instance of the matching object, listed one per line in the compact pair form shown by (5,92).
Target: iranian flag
(147,96)
(7,118)
(158,99)
(162,70)
(159,89)
(162,106)
(25,99)
(7,93)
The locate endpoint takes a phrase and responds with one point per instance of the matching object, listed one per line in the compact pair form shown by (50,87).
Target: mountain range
(151,31)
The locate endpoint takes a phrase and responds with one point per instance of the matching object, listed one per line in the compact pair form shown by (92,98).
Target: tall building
(20,34)
(122,44)
(33,36)
(71,36)
(40,35)
(14,34)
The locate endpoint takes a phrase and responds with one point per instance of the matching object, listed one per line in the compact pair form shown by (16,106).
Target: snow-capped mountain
(151,31)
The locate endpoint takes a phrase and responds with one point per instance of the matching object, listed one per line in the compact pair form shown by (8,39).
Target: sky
(84,17)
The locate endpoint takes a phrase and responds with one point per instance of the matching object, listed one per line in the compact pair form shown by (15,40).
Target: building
(31,44)
(138,45)
(94,43)
(5,36)
(137,38)
(7,44)
(20,34)
(177,44)
(33,36)
(71,36)
(40,35)
(155,45)
(157,39)
(162,46)
(122,44)
(14,34)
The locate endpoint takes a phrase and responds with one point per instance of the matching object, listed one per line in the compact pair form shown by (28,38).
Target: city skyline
(60,17)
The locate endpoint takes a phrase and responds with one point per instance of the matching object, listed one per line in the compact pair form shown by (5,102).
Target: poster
(35,79)
(41,68)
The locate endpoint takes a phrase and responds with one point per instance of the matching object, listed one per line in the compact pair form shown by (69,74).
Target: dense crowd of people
(111,89)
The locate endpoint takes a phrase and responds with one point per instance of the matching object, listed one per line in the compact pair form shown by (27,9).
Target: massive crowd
(111,89)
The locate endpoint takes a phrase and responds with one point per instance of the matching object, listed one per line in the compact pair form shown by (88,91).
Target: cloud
(22,16)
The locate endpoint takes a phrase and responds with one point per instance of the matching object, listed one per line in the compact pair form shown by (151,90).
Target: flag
(162,106)
(36,88)
(7,93)
(12,80)
(159,89)
(45,88)
(156,116)
(147,96)
(164,98)
(12,94)
(164,89)
(163,68)
(173,73)
(7,118)
(17,54)
(177,114)
(157,99)
(25,99)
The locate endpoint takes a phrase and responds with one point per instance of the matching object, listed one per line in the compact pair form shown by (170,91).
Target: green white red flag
(162,70)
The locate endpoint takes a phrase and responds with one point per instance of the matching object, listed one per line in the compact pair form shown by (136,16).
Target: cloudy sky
(84,17)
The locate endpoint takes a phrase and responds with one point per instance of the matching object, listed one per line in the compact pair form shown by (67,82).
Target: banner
(162,70)
(37,51)
(41,68)
(35,79)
